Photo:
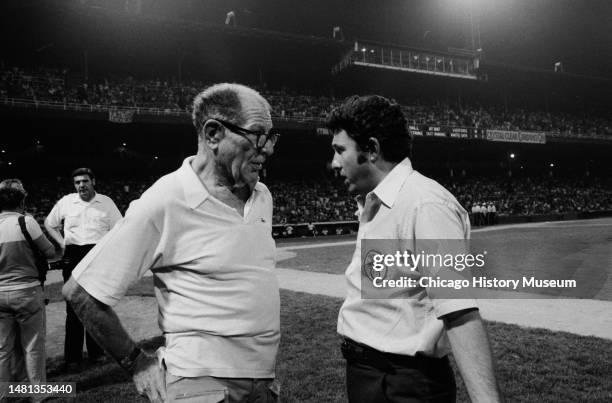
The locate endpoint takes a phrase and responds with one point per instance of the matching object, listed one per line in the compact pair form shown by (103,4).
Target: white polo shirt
(85,223)
(216,289)
(412,207)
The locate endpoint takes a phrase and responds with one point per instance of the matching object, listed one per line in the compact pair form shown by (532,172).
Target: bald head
(232,102)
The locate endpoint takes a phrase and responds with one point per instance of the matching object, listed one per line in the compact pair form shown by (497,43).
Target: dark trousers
(376,377)
(73,344)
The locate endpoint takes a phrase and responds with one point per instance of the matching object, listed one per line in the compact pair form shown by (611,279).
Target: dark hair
(375,116)
(221,101)
(83,171)
(12,194)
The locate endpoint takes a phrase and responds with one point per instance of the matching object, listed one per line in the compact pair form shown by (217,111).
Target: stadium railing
(82,107)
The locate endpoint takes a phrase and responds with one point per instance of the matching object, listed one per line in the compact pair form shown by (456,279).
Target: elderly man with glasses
(204,231)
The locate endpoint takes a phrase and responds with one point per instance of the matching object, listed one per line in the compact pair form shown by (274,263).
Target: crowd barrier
(553,217)
(303,230)
(129,114)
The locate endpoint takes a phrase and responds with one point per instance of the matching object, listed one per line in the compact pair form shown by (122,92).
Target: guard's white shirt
(216,289)
(85,223)
(412,207)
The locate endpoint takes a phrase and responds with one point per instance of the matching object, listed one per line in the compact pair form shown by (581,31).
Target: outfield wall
(351,227)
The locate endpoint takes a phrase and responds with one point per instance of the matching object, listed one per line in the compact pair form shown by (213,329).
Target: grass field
(533,365)
(564,250)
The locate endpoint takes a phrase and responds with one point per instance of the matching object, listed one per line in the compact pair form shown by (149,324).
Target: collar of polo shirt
(388,189)
(194,190)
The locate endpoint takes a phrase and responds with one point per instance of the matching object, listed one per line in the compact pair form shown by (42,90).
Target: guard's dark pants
(73,344)
(376,377)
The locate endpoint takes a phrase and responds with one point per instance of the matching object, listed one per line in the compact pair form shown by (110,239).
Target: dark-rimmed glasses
(261,138)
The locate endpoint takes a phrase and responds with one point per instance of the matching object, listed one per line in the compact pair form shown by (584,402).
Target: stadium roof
(532,35)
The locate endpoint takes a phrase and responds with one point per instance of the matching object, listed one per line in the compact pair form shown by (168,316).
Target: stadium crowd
(534,196)
(60,87)
(298,202)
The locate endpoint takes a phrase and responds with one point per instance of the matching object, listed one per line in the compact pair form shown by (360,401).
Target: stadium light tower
(471,5)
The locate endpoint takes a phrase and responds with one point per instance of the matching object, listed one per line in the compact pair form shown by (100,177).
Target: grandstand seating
(58,87)
(324,201)
(307,202)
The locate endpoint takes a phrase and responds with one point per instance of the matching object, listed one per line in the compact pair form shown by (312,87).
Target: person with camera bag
(22,304)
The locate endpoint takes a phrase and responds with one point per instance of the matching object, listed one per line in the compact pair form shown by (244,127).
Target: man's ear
(93,182)
(211,134)
(374,149)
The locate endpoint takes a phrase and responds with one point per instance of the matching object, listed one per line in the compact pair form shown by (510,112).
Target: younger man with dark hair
(396,348)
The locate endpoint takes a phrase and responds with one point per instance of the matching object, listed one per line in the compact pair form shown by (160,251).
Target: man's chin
(250,179)
(352,189)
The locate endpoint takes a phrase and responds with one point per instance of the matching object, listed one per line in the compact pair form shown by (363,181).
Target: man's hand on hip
(150,378)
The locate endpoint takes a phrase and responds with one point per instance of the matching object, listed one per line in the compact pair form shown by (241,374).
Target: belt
(73,255)
(77,247)
(360,353)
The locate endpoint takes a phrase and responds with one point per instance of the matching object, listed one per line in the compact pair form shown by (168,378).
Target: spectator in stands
(205,232)
(53,86)
(22,307)
(86,216)
(327,201)
(371,145)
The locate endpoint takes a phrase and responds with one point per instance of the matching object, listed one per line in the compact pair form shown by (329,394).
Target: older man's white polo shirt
(85,223)
(412,207)
(213,269)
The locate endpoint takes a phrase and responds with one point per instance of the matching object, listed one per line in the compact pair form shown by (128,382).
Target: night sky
(528,33)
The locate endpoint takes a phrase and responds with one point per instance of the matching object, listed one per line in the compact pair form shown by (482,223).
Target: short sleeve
(122,257)
(440,221)
(33,228)
(446,230)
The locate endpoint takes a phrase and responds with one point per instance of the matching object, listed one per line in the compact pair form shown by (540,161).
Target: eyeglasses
(261,138)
